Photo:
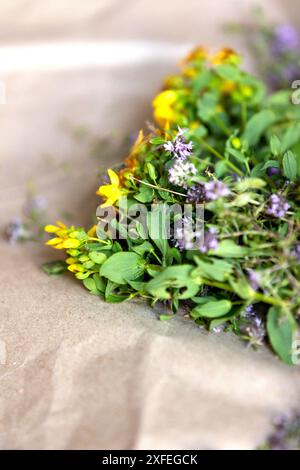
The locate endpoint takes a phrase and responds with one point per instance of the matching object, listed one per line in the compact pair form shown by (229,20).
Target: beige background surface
(80,373)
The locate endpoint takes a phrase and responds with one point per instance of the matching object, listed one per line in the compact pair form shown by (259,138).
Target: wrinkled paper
(76,372)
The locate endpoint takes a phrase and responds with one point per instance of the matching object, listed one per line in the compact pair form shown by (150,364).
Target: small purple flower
(15,231)
(253,325)
(249,312)
(180,172)
(278,206)
(186,238)
(254,279)
(210,241)
(286,432)
(169,146)
(273,170)
(286,38)
(196,194)
(296,252)
(216,189)
(220,328)
(178,147)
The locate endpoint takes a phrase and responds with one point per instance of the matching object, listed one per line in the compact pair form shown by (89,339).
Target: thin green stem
(221,157)
(256,296)
(98,240)
(159,188)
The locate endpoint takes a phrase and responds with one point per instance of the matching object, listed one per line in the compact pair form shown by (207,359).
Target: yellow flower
(164,107)
(65,238)
(225,56)
(227,87)
(92,231)
(198,53)
(111,192)
(189,72)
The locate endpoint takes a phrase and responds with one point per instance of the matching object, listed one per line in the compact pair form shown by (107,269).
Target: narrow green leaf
(213,309)
(290,165)
(281,329)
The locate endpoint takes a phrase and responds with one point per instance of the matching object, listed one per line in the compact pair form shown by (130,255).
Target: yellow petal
(54,241)
(108,203)
(60,224)
(71,243)
(75,268)
(114,178)
(59,246)
(51,228)
(165,98)
(137,143)
(106,190)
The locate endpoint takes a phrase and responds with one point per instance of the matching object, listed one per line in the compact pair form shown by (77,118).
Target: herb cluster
(220,141)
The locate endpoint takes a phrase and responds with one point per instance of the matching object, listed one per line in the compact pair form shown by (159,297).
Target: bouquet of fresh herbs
(204,213)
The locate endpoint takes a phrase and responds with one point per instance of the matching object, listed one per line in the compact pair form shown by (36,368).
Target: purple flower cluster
(286,434)
(286,38)
(180,172)
(255,327)
(210,241)
(210,191)
(179,148)
(196,194)
(254,279)
(296,252)
(277,206)
(185,236)
(16,231)
(216,189)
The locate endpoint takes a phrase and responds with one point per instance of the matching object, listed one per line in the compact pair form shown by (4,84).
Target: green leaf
(290,165)
(145,194)
(90,284)
(221,168)
(228,72)
(214,269)
(270,163)
(250,183)
(145,247)
(203,300)
(281,328)
(257,125)
(112,296)
(207,106)
(97,257)
(244,199)
(219,321)
(54,268)
(242,288)
(229,249)
(151,171)
(123,266)
(173,277)
(156,221)
(100,283)
(202,80)
(275,145)
(212,309)
(157,141)
(290,138)
(166,317)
